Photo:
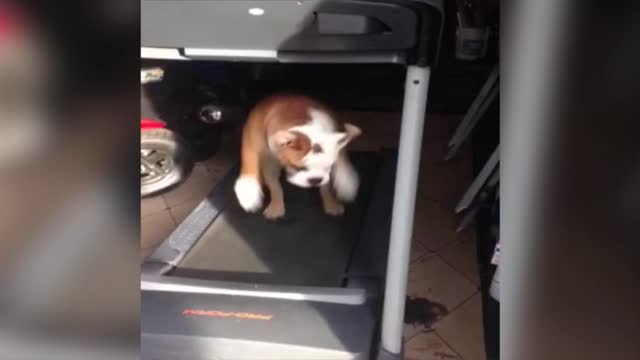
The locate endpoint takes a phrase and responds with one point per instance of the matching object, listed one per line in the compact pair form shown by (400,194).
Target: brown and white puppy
(303,137)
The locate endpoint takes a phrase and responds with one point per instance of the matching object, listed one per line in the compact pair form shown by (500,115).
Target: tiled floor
(444,318)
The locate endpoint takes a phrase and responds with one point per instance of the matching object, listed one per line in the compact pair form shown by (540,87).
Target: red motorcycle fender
(147,124)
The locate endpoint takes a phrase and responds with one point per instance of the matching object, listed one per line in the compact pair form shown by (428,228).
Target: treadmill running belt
(306,248)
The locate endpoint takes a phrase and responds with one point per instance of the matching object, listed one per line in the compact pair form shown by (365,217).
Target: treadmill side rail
(184,237)
(345,296)
(170,347)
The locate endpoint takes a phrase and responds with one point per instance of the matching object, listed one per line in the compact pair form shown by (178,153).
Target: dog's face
(309,152)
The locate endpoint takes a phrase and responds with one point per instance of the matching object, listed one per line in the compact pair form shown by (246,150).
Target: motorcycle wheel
(165,160)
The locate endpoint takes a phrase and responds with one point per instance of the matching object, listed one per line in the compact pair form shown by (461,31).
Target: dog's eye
(298,168)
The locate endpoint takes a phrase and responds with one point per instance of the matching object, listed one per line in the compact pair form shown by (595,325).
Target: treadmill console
(398,31)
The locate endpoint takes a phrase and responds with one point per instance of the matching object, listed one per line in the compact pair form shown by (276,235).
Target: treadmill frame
(416,88)
(408,166)
(171,252)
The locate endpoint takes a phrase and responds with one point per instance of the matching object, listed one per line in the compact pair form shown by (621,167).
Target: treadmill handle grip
(348,24)
(361,18)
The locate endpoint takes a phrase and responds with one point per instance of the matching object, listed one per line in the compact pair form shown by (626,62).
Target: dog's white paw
(346,181)
(249,193)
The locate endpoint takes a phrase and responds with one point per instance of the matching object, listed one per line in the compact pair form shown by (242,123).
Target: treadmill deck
(306,248)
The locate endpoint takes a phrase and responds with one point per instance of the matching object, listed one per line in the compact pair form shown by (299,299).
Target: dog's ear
(350,132)
(287,139)
(283,138)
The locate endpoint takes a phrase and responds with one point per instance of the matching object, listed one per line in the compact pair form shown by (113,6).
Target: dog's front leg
(248,187)
(271,175)
(330,204)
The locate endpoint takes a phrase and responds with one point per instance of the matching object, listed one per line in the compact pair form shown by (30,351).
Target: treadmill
(231,285)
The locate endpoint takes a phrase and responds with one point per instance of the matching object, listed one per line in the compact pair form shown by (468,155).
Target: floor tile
(462,329)
(434,226)
(224,159)
(440,287)
(439,126)
(443,183)
(462,255)
(152,205)
(379,129)
(431,278)
(417,250)
(409,331)
(420,315)
(433,152)
(196,186)
(145,252)
(428,346)
(180,212)
(154,229)
(210,172)
(463,160)
(219,167)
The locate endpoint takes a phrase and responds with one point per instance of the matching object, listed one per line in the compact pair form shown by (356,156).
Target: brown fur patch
(292,153)
(285,112)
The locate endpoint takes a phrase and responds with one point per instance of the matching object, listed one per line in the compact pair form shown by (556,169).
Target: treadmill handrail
(257,55)
(346,296)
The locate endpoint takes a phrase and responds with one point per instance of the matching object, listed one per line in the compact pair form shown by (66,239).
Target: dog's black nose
(314,181)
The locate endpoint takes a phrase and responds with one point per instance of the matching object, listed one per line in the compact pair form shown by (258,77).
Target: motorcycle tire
(165,160)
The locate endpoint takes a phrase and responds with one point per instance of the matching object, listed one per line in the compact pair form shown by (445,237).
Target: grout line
(423,249)
(164,200)
(456,308)
(456,270)
(463,302)
(165,207)
(443,246)
(406,341)
(423,331)
(152,214)
(449,345)
(427,254)
(175,223)
(434,330)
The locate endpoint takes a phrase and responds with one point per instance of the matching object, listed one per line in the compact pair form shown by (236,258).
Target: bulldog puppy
(303,137)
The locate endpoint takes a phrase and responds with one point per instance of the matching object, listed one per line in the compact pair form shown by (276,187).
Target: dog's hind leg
(346,181)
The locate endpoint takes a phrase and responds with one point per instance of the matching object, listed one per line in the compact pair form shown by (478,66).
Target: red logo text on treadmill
(227,314)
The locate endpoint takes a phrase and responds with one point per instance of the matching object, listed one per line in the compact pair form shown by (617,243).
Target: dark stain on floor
(420,311)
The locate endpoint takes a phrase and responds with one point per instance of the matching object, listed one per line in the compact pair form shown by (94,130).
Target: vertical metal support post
(413,117)
(473,121)
(472,112)
(479,181)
